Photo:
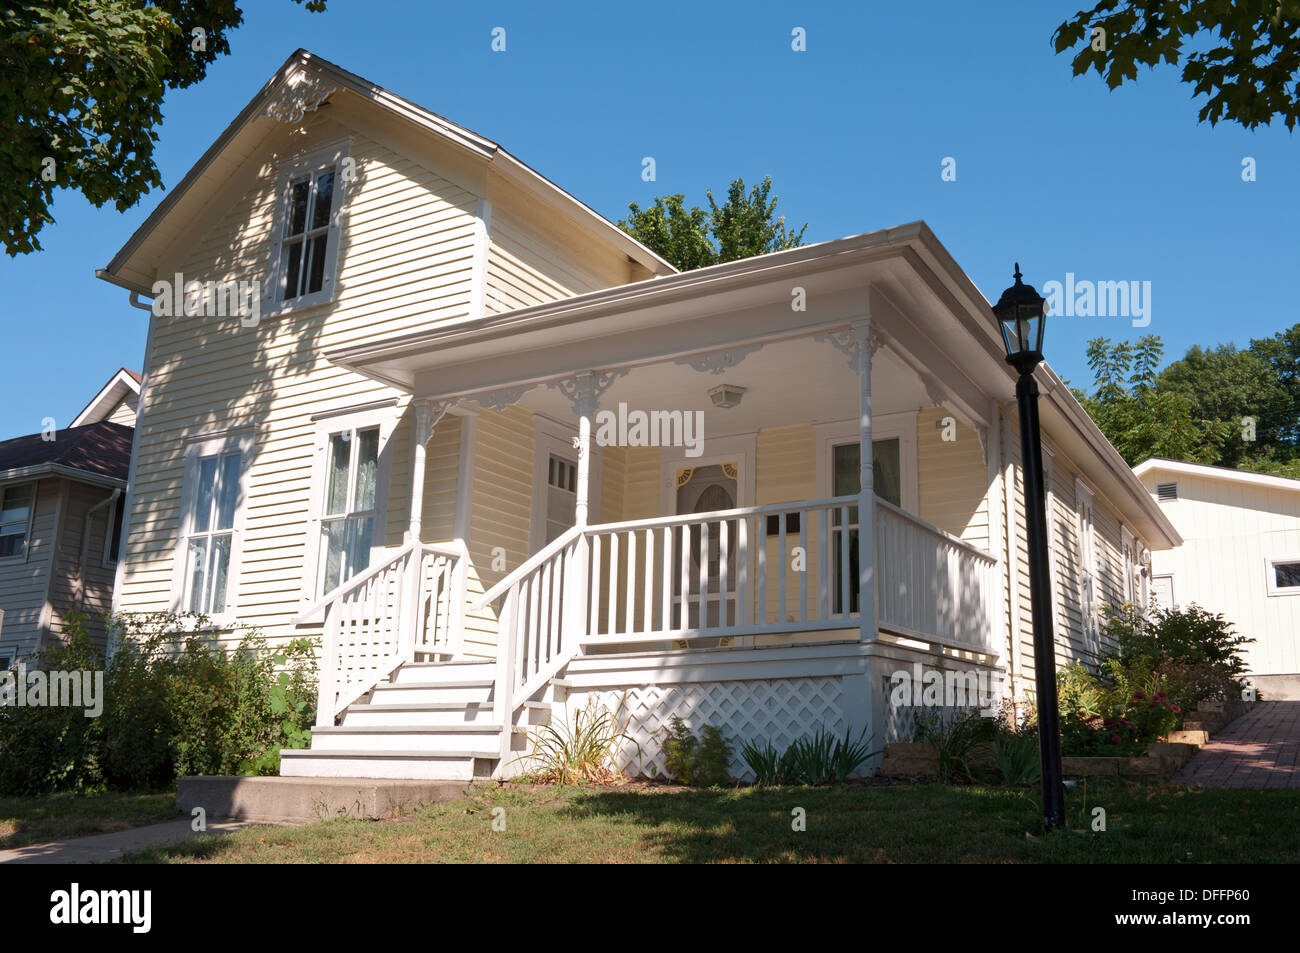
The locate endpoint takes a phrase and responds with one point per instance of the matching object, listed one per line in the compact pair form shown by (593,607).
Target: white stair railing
(540,624)
(400,611)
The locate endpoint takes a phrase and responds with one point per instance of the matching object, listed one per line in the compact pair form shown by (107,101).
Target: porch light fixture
(726,396)
(1021,313)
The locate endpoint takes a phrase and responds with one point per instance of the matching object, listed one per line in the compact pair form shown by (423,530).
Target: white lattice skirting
(777,710)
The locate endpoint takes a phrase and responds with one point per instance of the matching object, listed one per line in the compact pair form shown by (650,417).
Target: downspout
(111,500)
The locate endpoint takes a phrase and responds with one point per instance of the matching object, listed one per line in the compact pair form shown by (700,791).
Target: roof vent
(1166,492)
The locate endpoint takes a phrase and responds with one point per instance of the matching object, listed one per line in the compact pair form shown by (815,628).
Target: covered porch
(788,509)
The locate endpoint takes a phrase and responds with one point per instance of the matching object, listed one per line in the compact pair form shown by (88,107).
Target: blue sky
(1052,170)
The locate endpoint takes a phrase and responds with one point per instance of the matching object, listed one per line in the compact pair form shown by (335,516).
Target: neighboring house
(61,504)
(428,449)
(1241,557)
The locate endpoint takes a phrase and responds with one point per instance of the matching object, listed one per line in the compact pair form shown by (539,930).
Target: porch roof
(923,304)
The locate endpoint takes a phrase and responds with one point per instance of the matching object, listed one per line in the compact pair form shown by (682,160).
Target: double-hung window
(350,498)
(348,520)
(212,502)
(16,519)
(307,226)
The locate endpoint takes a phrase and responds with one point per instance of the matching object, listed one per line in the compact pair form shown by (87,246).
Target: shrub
(583,751)
(1017,757)
(50,748)
(819,759)
(959,740)
(701,762)
(175,704)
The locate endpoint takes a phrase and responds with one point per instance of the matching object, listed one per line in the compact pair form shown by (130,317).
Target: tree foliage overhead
(745,225)
(1244,55)
(1222,406)
(82,84)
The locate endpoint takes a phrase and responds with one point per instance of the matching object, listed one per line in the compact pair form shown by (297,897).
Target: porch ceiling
(789,382)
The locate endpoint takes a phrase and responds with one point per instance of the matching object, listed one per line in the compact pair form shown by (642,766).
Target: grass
(927,823)
(32,820)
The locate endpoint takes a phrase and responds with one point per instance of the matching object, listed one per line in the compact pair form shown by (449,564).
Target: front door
(707,489)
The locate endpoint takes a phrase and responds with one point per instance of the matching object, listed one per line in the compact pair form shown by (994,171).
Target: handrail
(317,609)
(541,556)
(714,516)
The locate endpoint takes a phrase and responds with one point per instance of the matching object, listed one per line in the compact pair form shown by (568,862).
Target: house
(1241,558)
(504,460)
(61,504)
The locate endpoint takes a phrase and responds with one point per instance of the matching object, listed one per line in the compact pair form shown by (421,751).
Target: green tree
(1140,418)
(745,225)
(1244,55)
(81,91)
(1239,390)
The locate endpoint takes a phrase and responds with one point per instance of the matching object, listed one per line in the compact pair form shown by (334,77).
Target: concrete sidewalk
(101,848)
(1261,749)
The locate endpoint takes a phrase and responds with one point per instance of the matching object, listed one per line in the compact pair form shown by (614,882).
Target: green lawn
(1146,823)
(32,820)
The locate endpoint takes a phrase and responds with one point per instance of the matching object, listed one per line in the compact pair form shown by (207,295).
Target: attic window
(306,229)
(306,235)
(1166,492)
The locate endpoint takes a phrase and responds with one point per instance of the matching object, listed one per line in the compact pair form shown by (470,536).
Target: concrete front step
(431,673)
(423,693)
(297,800)
(427,714)
(426,738)
(465,765)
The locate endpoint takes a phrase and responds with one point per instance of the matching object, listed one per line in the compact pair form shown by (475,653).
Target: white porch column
(427,413)
(866,343)
(583,390)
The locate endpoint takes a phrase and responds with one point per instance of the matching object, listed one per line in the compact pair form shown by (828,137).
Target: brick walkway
(1260,749)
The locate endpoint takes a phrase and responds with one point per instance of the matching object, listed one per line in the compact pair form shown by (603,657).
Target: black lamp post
(1021,314)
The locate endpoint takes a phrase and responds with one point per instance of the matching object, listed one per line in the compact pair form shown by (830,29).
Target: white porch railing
(789,567)
(405,609)
(932,585)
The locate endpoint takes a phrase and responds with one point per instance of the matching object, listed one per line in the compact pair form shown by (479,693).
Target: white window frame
(1270,577)
(552,436)
(353,418)
(31,519)
(1173,587)
(332,155)
(196,448)
(110,559)
(1085,515)
(901,426)
(1128,548)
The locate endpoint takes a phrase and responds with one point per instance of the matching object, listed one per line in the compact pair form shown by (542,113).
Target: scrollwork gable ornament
(298,95)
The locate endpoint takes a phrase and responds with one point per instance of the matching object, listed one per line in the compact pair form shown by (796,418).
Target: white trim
(328,156)
(109,396)
(737,448)
(1216,473)
(1270,577)
(900,426)
(31,519)
(552,436)
(197,447)
(360,417)
(479,268)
